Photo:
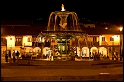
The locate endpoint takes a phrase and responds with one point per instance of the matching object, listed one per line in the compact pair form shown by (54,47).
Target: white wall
(107,39)
(25,41)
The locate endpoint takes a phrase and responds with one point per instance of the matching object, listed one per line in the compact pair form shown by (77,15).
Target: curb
(115,77)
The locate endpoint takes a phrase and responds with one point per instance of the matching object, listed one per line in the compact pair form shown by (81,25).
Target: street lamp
(120,29)
(6,44)
(112,47)
(6,54)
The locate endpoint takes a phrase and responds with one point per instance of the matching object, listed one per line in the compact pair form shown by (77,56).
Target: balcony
(91,44)
(95,43)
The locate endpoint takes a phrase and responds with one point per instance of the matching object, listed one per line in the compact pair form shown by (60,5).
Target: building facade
(24,38)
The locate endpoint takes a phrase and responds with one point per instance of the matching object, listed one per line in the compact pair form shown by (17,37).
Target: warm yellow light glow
(10,41)
(62,8)
(6,37)
(115,37)
(106,27)
(109,41)
(121,28)
(25,41)
(43,39)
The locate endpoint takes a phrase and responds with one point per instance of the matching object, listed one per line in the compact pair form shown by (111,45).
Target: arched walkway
(93,50)
(103,51)
(85,52)
(36,49)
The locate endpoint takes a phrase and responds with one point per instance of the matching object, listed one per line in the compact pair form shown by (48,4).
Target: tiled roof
(25,30)
(16,22)
(99,31)
(35,29)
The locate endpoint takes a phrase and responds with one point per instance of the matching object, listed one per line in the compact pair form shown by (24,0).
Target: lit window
(34,39)
(94,39)
(16,39)
(111,39)
(59,48)
(19,39)
(63,48)
(103,38)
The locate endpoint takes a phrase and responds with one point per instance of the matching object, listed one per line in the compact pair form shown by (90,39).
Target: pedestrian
(9,54)
(96,56)
(14,54)
(116,55)
(6,57)
(17,55)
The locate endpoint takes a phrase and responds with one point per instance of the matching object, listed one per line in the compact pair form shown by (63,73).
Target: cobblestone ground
(14,72)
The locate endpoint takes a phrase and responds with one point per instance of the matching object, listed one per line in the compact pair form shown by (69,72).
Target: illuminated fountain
(63,21)
(63,34)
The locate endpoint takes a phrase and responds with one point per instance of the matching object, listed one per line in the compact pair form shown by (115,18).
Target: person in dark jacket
(6,57)
(14,54)
(9,54)
(17,54)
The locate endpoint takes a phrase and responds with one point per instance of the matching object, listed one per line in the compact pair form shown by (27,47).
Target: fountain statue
(63,21)
(63,33)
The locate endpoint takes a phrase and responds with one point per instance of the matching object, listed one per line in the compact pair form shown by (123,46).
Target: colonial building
(22,36)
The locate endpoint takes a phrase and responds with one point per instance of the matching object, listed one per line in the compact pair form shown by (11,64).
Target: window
(90,39)
(94,39)
(111,39)
(18,40)
(34,39)
(3,40)
(29,39)
(103,38)
(63,48)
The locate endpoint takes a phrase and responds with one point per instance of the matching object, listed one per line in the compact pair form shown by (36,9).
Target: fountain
(63,21)
(63,33)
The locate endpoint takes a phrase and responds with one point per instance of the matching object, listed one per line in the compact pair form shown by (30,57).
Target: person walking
(17,55)
(6,57)
(9,54)
(116,56)
(14,54)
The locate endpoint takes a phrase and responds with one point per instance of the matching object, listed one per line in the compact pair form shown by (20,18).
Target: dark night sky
(33,9)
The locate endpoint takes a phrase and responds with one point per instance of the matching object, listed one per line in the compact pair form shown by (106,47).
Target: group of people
(99,56)
(15,55)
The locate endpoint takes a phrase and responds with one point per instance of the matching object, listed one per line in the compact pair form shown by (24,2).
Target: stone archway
(93,50)
(85,52)
(103,51)
(36,49)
